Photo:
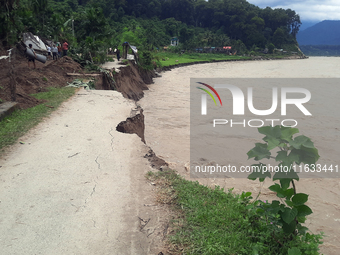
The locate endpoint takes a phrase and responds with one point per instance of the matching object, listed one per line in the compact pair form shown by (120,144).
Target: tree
(208,37)
(199,10)
(256,38)
(185,35)
(40,9)
(239,46)
(93,23)
(271,48)
(294,22)
(56,25)
(172,26)
(222,40)
(279,37)
(7,20)
(259,22)
(182,10)
(194,21)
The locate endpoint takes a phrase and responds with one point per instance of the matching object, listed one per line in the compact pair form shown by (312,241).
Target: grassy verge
(168,58)
(212,221)
(20,121)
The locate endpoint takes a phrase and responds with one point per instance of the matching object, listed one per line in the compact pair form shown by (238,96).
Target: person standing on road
(30,58)
(118,54)
(65,48)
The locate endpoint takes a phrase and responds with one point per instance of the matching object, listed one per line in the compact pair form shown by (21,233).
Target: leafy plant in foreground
(287,214)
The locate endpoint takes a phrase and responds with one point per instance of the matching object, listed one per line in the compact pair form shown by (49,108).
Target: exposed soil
(134,124)
(18,81)
(155,161)
(131,81)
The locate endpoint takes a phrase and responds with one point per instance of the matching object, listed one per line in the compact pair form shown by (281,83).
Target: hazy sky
(309,10)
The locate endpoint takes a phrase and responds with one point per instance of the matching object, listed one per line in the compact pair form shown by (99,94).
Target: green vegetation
(163,59)
(77,83)
(212,221)
(288,214)
(168,58)
(19,122)
(91,27)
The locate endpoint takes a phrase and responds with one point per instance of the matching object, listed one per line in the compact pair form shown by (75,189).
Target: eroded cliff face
(131,81)
(134,124)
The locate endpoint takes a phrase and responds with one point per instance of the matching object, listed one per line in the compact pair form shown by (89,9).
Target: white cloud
(307,9)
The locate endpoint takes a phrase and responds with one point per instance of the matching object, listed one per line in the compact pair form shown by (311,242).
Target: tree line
(96,24)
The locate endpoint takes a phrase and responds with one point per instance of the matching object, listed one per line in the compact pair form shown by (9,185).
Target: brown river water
(167,131)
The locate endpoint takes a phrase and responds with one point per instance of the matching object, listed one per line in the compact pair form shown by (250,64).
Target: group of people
(53,52)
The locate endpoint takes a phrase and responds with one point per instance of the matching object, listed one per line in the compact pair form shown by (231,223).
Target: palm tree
(223,40)
(208,37)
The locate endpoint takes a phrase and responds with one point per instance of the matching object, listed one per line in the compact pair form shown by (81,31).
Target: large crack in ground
(135,125)
(131,81)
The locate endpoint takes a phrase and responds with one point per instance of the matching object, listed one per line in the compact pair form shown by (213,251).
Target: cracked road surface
(77,186)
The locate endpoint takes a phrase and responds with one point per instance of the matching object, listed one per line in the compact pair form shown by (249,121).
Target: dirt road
(77,186)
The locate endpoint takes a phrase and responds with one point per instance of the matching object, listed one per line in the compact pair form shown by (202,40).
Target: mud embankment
(133,124)
(131,82)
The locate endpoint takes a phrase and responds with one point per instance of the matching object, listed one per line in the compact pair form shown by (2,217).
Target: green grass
(212,221)
(20,121)
(170,58)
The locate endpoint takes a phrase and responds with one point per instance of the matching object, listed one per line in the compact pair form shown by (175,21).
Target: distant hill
(326,32)
(320,50)
(307,24)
